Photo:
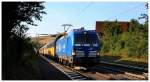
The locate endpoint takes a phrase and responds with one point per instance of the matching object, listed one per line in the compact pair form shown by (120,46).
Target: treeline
(132,42)
(18,52)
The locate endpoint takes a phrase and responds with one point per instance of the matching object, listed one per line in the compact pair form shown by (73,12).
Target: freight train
(78,47)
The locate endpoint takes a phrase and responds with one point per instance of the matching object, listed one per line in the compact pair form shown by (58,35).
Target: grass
(29,70)
(133,61)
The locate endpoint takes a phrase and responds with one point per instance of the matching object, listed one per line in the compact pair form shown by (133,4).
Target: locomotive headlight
(95,45)
(98,53)
(73,53)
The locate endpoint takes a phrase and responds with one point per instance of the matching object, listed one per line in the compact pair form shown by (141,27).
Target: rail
(107,71)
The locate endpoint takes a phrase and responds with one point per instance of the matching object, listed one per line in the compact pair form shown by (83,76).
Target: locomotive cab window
(86,39)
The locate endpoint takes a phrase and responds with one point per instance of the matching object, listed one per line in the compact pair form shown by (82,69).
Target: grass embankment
(27,70)
(30,70)
(124,59)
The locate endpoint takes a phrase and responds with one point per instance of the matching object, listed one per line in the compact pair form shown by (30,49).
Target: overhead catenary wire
(82,10)
(75,18)
(115,16)
(126,11)
(123,12)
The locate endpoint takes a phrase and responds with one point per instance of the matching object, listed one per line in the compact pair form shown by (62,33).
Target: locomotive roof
(82,31)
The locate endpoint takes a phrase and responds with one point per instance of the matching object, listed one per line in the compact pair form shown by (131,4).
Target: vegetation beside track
(125,61)
(19,59)
(129,45)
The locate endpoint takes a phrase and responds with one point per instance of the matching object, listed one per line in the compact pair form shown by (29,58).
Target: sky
(84,14)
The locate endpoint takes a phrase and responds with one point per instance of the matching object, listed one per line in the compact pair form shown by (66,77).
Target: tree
(130,43)
(110,38)
(133,42)
(144,15)
(16,16)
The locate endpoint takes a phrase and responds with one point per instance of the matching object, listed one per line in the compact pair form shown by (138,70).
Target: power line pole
(66,25)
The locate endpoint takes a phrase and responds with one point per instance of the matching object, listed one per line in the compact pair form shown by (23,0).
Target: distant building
(100,26)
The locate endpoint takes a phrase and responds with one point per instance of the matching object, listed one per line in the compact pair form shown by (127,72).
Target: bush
(132,43)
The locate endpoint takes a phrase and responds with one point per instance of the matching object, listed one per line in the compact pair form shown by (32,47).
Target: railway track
(104,71)
(124,72)
(130,68)
(118,74)
(72,74)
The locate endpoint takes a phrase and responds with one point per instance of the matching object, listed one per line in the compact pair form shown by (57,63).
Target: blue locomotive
(78,47)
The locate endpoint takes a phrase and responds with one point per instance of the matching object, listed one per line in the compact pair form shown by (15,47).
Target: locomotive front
(86,47)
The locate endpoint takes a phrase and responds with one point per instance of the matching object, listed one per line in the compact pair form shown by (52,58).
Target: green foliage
(17,49)
(143,15)
(133,42)
(17,15)
(111,34)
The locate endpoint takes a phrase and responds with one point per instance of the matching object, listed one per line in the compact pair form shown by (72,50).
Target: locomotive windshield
(86,39)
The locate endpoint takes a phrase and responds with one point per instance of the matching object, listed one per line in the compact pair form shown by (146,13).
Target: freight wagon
(48,50)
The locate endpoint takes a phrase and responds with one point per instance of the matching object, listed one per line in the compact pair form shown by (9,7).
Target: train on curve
(78,47)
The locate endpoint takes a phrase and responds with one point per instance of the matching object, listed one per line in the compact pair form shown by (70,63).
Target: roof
(100,25)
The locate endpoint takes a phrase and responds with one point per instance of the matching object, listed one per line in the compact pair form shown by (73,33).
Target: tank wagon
(78,47)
